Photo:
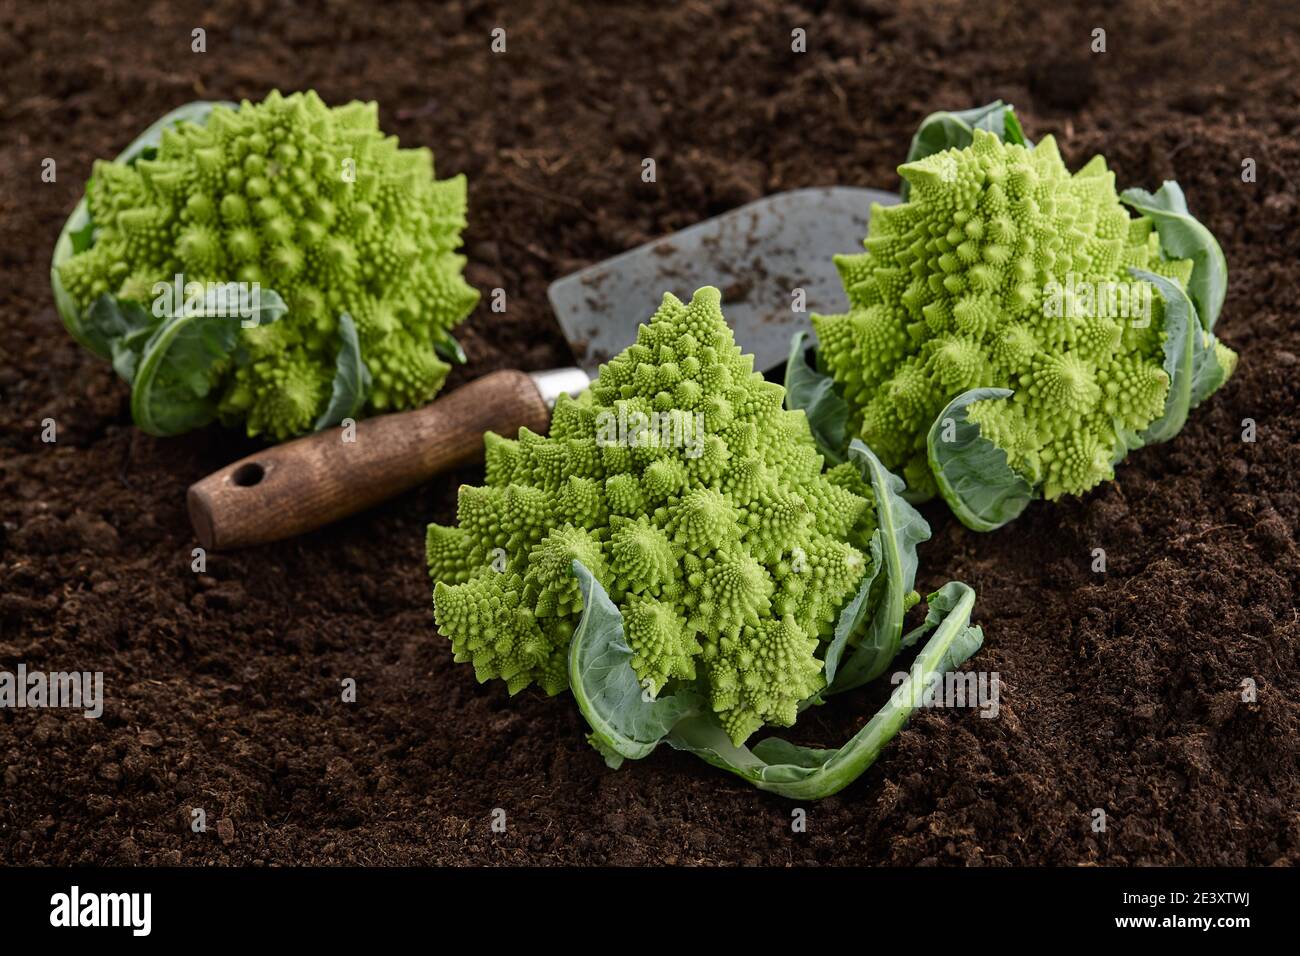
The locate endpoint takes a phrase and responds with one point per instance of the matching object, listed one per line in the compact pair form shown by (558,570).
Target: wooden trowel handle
(293,488)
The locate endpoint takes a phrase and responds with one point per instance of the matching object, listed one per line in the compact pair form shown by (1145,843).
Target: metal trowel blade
(758,255)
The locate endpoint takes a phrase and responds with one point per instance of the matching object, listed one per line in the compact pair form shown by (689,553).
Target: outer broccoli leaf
(74,238)
(945,130)
(351,378)
(448,348)
(78,232)
(1014,133)
(170,392)
(901,529)
(774,750)
(625,721)
(1183,237)
(809,773)
(1180,355)
(938,606)
(1209,370)
(1191,361)
(972,473)
(121,328)
(814,393)
(854,613)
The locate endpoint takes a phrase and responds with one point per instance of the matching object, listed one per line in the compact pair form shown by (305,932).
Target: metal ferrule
(553,382)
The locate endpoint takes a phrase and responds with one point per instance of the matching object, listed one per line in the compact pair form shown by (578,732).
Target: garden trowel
(772,259)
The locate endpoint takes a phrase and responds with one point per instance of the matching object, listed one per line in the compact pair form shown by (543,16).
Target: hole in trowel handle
(248,474)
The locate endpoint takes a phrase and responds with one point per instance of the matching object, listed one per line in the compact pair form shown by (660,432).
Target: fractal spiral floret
(311,202)
(973,283)
(729,553)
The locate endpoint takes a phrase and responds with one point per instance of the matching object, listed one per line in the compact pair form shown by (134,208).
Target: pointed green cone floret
(710,524)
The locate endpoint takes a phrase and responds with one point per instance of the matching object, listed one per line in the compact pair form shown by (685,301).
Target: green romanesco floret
(1004,270)
(314,203)
(696,500)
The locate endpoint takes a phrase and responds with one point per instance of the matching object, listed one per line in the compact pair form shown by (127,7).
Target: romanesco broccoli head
(1004,270)
(696,500)
(314,203)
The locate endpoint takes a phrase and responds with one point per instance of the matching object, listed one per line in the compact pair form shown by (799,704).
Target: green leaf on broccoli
(814,393)
(627,722)
(1183,237)
(807,773)
(119,328)
(351,378)
(854,614)
(972,473)
(448,348)
(171,391)
(1194,363)
(955,130)
(901,529)
(937,606)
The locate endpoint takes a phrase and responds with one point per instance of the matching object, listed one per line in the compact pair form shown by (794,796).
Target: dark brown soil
(1121,691)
